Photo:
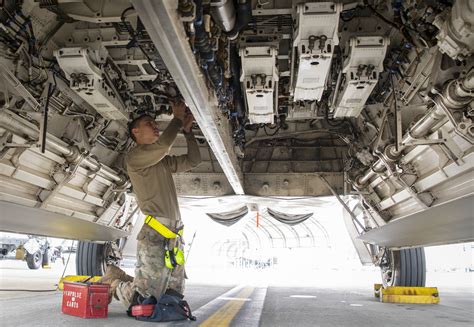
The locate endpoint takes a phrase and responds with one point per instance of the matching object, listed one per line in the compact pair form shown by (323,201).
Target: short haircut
(134,124)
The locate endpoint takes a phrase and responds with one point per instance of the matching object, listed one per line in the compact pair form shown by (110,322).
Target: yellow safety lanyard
(162,229)
(175,256)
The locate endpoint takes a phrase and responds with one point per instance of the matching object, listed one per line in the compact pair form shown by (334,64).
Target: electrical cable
(380,16)
(10,41)
(20,26)
(25,290)
(326,116)
(276,131)
(403,28)
(67,263)
(134,38)
(352,12)
(48,36)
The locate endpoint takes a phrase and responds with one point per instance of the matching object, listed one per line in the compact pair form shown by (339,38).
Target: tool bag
(170,307)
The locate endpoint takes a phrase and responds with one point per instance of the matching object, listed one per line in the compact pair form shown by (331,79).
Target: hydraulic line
(203,46)
(235,69)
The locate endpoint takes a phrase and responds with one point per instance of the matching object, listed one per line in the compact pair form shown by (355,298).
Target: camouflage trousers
(152,277)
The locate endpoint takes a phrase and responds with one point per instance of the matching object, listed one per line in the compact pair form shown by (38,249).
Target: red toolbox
(85,300)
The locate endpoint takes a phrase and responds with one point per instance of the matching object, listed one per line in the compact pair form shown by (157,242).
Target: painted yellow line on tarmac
(223,316)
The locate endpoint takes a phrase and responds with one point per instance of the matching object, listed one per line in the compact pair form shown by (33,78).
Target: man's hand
(188,122)
(179,110)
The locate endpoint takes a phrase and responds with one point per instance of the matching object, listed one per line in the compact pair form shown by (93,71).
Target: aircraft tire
(90,259)
(406,268)
(34,260)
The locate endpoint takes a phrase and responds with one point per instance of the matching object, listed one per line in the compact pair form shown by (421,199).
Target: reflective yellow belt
(160,228)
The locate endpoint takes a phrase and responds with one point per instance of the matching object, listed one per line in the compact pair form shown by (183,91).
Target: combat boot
(113,289)
(113,273)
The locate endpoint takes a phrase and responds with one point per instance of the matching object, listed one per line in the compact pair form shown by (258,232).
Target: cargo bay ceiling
(291,98)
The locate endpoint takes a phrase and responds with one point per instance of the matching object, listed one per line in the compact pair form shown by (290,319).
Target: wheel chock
(46,266)
(77,278)
(407,294)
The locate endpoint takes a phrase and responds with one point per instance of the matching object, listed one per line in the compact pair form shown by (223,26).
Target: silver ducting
(424,125)
(456,95)
(14,124)
(223,13)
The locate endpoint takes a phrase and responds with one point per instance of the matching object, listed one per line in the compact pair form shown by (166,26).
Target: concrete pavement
(260,301)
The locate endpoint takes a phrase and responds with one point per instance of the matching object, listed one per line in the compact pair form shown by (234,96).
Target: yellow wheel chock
(76,278)
(407,294)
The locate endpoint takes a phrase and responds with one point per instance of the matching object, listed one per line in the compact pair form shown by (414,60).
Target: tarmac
(243,299)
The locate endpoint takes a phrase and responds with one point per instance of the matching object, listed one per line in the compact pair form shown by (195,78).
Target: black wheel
(90,259)
(404,267)
(34,260)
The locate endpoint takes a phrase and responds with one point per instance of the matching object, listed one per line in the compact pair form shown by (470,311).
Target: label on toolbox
(72,298)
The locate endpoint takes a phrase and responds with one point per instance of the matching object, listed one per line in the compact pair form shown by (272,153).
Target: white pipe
(8,121)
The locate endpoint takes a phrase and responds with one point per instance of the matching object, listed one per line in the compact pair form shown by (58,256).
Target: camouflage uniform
(150,168)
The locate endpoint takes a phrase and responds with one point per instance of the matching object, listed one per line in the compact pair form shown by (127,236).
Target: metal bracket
(19,88)
(4,143)
(445,144)
(17,145)
(460,125)
(5,138)
(452,150)
(398,118)
(370,212)
(354,218)
(424,199)
(383,123)
(424,142)
(44,122)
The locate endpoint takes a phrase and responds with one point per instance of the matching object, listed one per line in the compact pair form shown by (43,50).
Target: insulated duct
(223,13)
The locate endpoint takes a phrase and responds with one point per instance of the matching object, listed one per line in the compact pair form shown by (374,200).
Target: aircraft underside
(367,101)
